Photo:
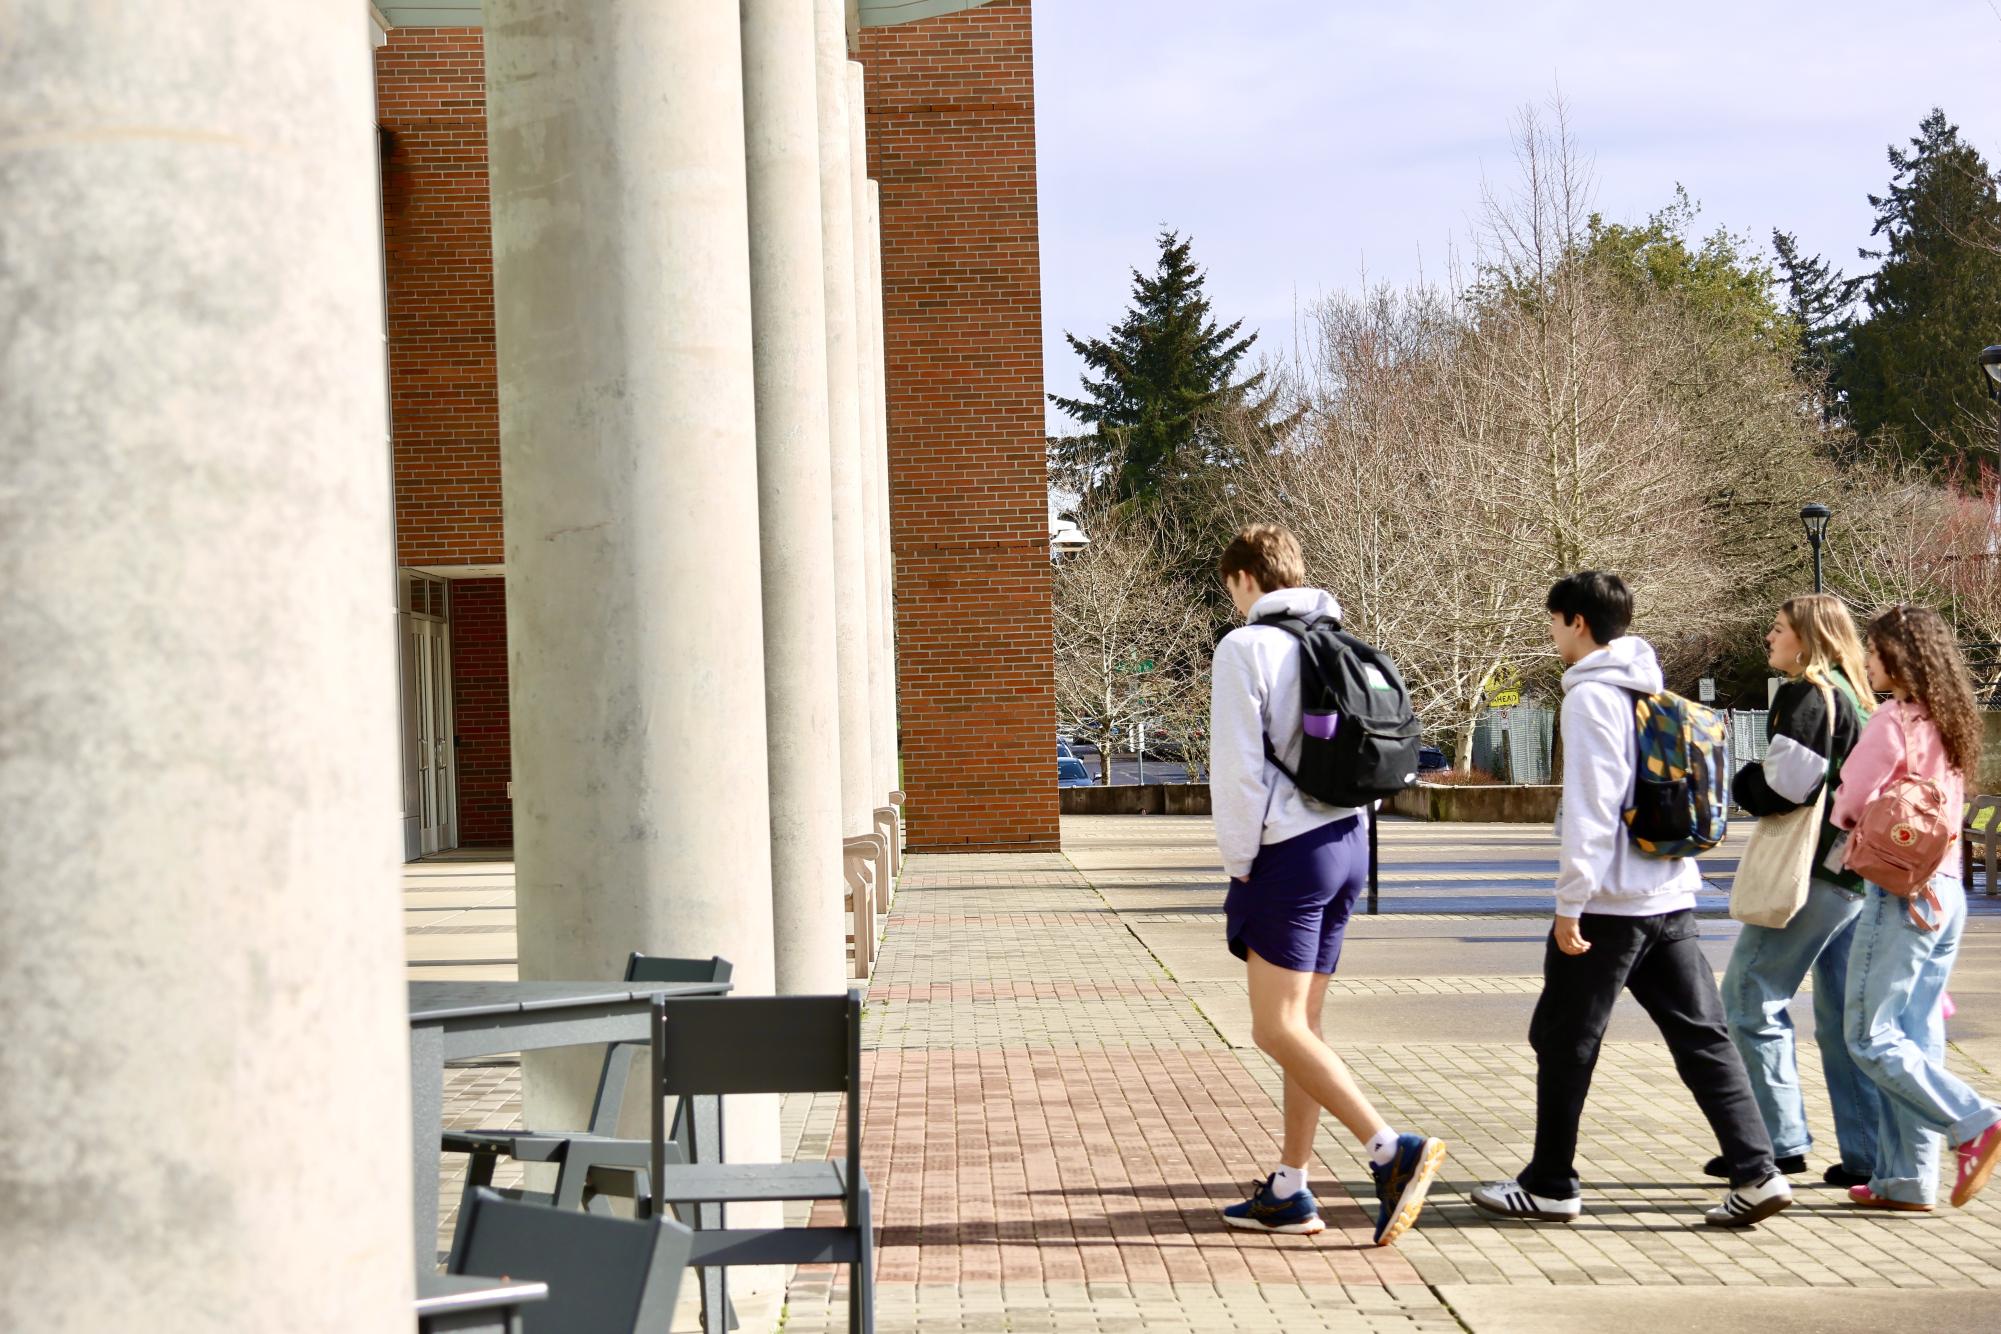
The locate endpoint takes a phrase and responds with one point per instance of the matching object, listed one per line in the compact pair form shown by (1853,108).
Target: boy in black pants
(1623,919)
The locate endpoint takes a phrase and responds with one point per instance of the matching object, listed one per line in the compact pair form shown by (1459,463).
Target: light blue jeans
(1766,969)
(1896,1033)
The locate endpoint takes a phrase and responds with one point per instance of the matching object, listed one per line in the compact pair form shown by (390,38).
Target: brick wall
(438,244)
(479,710)
(952,140)
(443,400)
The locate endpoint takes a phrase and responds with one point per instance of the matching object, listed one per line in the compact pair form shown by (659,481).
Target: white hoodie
(1601,870)
(1254,693)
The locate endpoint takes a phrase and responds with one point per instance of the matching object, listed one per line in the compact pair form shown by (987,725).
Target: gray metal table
(462,1304)
(452,1020)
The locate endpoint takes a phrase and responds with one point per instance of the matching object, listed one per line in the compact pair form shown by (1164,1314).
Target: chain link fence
(1515,744)
(1518,744)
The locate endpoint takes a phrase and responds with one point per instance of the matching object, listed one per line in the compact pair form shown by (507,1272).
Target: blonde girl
(1816,720)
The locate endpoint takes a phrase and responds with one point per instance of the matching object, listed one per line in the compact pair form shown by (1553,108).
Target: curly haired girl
(1897,968)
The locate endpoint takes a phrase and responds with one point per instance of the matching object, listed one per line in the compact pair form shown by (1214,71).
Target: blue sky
(1305,142)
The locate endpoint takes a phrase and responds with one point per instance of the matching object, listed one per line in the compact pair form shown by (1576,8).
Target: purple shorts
(1294,909)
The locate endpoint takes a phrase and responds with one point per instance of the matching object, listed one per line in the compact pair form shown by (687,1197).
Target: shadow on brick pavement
(1060,1098)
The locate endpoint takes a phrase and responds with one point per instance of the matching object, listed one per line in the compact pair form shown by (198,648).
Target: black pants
(1659,959)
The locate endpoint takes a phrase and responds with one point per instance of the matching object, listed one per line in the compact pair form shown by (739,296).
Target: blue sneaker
(1402,1182)
(1266,1212)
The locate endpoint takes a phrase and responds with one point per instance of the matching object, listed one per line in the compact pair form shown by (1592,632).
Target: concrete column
(629,478)
(886,708)
(795,496)
(844,412)
(201,953)
(869,362)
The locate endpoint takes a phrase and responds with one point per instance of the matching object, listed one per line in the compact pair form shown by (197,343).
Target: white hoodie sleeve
(1597,776)
(1237,791)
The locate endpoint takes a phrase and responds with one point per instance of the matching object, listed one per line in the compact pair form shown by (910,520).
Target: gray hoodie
(1600,869)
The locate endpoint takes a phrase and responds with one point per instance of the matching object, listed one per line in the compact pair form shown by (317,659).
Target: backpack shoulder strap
(1297,627)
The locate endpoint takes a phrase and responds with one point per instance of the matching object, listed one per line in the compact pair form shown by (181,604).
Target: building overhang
(861,13)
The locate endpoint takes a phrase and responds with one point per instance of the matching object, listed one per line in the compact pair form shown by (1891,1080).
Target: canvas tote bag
(1777,868)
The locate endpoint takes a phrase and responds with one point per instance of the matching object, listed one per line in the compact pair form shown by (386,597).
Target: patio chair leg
(716,1296)
(704,1124)
(479,1172)
(861,1274)
(571,1178)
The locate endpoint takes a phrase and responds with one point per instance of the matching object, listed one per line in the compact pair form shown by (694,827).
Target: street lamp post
(1814,518)
(1990,363)
(1990,366)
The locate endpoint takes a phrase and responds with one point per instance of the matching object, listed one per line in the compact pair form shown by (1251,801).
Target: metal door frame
(425,600)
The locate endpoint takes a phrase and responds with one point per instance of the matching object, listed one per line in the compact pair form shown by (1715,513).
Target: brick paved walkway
(1051,1126)
(1061,1094)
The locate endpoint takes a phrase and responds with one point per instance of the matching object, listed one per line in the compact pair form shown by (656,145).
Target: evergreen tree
(1821,302)
(1719,276)
(1934,303)
(1162,376)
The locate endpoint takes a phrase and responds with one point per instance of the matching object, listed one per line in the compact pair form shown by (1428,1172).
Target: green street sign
(1134,668)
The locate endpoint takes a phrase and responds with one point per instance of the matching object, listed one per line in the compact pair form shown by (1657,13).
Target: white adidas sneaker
(1747,1206)
(1507,1199)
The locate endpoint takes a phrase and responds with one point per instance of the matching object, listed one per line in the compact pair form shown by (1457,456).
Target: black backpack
(1358,736)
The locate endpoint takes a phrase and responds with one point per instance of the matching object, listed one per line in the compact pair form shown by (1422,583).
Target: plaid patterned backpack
(1681,785)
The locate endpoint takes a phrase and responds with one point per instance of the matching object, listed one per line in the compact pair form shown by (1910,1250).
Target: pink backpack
(1905,833)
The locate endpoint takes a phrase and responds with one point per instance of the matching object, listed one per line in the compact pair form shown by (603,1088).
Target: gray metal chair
(574,1176)
(605,1275)
(762,1044)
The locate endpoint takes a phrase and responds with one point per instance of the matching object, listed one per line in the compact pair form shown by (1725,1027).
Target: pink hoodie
(1900,736)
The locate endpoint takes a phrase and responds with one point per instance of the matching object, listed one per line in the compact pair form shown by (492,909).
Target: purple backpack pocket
(1320,725)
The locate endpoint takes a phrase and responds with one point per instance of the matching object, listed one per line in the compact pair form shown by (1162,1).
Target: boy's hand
(1569,938)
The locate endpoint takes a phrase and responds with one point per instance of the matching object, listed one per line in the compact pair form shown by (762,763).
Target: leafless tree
(1905,537)
(1466,446)
(1133,638)
(1390,490)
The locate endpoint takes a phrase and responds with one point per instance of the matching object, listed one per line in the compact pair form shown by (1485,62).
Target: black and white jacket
(1798,760)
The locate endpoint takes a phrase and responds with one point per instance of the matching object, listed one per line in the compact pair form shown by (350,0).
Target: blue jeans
(1896,982)
(1765,972)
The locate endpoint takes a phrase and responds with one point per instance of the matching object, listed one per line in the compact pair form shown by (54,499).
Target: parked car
(1430,760)
(1070,772)
(1076,745)
(1170,746)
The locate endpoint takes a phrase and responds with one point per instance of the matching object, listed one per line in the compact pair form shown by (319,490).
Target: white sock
(1287,1182)
(1383,1147)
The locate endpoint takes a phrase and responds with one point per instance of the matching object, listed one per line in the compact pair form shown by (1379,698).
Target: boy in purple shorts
(1295,867)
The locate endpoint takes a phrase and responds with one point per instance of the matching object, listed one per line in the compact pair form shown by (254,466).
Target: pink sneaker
(1976,1163)
(1946,1009)
(1869,1199)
